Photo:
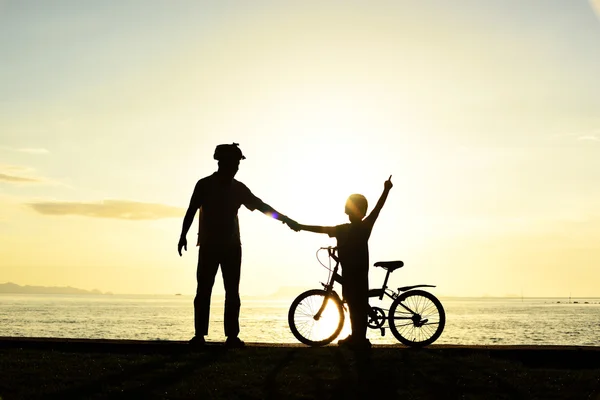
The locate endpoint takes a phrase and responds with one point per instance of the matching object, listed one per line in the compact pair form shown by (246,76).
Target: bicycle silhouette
(415,317)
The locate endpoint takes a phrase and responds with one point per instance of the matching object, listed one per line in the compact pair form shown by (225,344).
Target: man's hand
(182,244)
(388,184)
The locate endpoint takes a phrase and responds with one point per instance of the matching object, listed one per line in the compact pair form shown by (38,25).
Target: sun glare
(331,159)
(328,322)
(596,6)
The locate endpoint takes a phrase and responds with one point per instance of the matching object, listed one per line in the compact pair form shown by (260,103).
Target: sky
(485,113)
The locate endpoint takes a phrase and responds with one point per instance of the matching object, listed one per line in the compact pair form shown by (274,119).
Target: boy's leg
(230,268)
(358,303)
(208,263)
(357,297)
(358,318)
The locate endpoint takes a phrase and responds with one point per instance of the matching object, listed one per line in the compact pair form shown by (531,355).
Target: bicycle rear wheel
(417,318)
(310,329)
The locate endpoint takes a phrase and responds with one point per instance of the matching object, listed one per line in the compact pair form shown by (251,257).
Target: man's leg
(208,263)
(230,268)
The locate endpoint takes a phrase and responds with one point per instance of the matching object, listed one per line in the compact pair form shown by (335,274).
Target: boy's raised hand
(388,184)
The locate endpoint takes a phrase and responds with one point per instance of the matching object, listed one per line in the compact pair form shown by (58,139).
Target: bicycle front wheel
(417,318)
(316,317)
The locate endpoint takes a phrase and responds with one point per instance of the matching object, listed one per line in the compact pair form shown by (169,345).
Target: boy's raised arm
(386,190)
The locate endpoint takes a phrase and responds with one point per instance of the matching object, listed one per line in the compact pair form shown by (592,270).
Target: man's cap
(228,151)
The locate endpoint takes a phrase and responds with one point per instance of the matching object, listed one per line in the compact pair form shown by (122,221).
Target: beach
(33,368)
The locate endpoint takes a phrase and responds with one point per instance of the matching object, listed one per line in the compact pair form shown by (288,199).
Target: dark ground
(98,369)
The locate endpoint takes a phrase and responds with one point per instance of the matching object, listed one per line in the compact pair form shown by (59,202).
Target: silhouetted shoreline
(89,368)
(13,288)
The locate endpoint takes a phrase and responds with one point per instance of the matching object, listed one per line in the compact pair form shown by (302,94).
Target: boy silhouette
(353,250)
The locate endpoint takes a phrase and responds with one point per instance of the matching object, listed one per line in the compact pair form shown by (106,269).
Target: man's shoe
(197,341)
(234,343)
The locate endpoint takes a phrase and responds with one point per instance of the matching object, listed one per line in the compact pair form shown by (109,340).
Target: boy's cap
(228,151)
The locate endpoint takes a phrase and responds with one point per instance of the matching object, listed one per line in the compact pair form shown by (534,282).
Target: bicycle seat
(389,265)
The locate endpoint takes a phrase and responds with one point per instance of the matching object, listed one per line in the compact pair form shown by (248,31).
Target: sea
(469,321)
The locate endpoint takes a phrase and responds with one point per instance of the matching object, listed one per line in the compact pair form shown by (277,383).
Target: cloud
(119,209)
(18,179)
(33,150)
(29,150)
(589,138)
(17,174)
(585,135)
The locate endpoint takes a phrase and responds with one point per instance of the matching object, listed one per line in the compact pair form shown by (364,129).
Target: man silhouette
(218,197)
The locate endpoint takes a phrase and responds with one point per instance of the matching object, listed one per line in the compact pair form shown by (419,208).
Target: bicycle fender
(405,288)
(336,296)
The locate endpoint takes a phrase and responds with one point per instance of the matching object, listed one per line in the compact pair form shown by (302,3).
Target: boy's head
(356,207)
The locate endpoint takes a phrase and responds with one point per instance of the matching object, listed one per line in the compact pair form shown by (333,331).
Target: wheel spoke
(416,332)
(309,330)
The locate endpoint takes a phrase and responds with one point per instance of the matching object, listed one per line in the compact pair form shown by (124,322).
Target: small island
(13,288)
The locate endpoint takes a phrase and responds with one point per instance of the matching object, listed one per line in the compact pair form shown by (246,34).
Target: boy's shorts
(356,284)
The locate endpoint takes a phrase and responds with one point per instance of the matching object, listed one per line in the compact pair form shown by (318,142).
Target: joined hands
(291,223)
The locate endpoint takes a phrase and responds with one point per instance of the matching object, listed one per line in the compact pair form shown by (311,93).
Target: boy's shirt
(353,245)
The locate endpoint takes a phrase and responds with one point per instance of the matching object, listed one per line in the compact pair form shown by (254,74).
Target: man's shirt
(219,201)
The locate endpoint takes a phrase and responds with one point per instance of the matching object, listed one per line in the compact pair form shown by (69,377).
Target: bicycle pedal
(382,331)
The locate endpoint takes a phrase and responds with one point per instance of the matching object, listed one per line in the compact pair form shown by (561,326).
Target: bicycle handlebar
(331,253)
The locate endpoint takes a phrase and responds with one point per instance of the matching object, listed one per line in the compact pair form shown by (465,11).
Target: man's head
(228,157)
(356,207)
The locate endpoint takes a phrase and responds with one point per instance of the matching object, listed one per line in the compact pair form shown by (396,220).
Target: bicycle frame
(335,277)
(416,308)
(379,292)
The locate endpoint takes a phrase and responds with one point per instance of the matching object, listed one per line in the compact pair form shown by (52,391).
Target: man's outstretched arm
(254,203)
(271,212)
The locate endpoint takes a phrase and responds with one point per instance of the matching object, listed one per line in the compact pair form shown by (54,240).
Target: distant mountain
(14,288)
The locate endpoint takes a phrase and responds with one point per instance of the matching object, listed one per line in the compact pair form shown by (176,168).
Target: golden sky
(485,113)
